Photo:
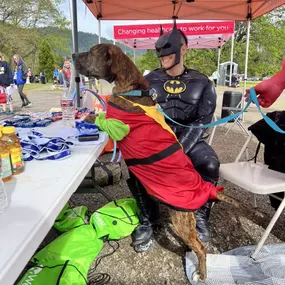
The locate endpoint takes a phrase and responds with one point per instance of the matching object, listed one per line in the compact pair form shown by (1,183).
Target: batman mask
(170,43)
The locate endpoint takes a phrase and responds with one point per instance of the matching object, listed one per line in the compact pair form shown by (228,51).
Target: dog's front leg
(116,129)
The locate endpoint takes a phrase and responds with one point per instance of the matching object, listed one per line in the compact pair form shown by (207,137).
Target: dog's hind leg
(184,225)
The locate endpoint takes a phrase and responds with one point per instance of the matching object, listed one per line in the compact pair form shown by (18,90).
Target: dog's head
(96,62)
(108,62)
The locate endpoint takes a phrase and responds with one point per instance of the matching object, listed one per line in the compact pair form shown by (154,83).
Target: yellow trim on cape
(153,113)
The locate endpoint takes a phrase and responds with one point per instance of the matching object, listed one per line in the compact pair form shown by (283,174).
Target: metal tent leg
(74,27)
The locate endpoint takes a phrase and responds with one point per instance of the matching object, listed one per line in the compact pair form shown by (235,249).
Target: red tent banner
(190,29)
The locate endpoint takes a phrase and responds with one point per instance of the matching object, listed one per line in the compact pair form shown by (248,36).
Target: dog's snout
(74,56)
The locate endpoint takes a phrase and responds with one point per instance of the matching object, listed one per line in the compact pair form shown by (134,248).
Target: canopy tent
(239,10)
(199,34)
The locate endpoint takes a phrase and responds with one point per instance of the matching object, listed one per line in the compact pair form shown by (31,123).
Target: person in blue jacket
(20,77)
(55,75)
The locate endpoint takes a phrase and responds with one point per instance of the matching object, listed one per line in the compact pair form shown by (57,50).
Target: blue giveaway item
(36,146)
(87,128)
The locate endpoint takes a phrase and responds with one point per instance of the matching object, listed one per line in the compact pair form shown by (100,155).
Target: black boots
(202,222)
(142,237)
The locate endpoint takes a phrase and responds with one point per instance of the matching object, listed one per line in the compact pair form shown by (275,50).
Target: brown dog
(106,61)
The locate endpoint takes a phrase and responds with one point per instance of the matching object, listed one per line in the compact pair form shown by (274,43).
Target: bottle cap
(8,130)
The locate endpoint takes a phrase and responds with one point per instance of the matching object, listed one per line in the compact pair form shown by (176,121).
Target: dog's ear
(108,56)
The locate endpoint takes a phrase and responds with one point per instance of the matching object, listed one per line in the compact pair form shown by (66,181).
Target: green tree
(148,61)
(46,60)
(31,13)
(203,60)
(266,49)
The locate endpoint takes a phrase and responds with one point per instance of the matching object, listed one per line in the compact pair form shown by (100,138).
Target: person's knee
(209,169)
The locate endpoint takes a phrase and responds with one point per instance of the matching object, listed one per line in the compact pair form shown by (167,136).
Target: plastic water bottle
(3,197)
(68,109)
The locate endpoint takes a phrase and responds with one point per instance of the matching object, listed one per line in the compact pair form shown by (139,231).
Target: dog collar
(137,93)
(140,93)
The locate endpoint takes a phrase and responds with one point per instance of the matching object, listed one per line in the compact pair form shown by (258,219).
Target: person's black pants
(205,161)
(23,97)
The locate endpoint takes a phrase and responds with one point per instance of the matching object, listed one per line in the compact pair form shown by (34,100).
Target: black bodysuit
(189,99)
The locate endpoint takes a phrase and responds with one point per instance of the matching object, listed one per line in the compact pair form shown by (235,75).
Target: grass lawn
(37,86)
(249,84)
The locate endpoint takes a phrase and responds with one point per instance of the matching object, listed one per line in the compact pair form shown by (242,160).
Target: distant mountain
(85,40)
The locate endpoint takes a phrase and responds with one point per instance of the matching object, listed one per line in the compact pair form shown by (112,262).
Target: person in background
(30,75)
(66,73)
(6,83)
(82,80)
(92,82)
(60,78)
(6,78)
(215,76)
(43,77)
(55,75)
(20,77)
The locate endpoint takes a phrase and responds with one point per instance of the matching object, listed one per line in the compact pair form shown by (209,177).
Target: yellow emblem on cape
(174,86)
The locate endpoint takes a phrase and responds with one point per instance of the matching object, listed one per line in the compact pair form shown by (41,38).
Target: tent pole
(74,27)
(246,64)
(232,57)
(99,41)
(99,31)
(219,59)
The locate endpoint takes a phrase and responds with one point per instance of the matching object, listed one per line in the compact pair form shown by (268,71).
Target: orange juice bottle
(13,143)
(6,169)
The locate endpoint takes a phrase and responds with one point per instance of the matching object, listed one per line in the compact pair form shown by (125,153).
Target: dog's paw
(197,277)
(90,119)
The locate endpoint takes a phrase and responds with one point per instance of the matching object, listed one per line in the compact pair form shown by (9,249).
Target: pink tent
(241,10)
(199,34)
(237,10)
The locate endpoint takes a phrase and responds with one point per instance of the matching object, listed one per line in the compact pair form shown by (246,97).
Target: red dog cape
(154,155)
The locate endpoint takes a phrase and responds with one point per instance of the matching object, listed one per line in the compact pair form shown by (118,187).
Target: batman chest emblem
(174,87)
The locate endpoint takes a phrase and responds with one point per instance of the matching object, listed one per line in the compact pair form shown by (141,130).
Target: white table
(36,197)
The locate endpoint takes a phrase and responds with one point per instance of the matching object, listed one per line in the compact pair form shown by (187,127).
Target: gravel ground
(164,264)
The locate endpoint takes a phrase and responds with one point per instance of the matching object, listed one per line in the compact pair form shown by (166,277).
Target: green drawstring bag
(54,272)
(80,246)
(116,219)
(60,215)
(70,219)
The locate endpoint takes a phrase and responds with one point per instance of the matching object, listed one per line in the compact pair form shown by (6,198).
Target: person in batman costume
(189,98)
